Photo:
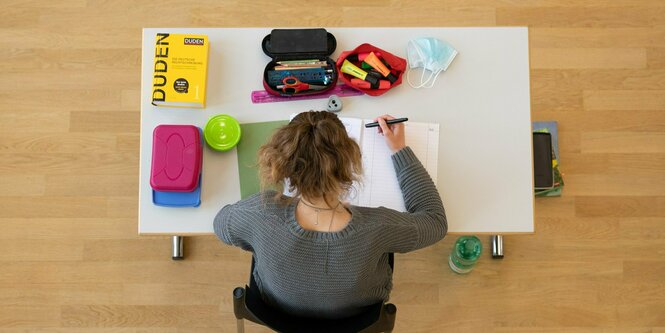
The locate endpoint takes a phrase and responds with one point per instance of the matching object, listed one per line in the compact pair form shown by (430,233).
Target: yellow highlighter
(351,69)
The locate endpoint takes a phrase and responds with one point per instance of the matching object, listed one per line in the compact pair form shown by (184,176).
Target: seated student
(316,256)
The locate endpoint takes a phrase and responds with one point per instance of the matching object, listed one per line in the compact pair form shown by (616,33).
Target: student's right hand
(393,134)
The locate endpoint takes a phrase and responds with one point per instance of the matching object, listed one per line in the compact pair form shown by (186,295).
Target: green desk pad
(253,136)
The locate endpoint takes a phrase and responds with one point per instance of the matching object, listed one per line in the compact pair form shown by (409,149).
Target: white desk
(481,103)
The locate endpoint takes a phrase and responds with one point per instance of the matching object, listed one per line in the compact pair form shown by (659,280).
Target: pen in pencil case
(310,75)
(389,122)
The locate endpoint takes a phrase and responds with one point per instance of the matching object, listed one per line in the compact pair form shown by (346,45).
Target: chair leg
(240,323)
(385,322)
(391,313)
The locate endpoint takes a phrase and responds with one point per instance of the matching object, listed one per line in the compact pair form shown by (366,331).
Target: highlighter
(366,66)
(362,84)
(353,70)
(360,56)
(375,62)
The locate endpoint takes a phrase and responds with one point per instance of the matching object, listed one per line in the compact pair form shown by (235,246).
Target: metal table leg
(497,246)
(178,252)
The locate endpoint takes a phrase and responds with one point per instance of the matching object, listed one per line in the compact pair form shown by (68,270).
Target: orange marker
(376,63)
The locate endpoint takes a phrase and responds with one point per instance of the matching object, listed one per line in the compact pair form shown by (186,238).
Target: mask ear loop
(433,79)
(422,83)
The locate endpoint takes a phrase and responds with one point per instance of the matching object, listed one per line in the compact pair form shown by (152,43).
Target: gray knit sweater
(334,274)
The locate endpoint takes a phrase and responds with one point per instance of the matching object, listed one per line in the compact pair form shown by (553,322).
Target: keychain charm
(334,103)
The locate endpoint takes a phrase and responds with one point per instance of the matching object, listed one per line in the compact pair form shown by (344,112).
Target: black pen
(389,122)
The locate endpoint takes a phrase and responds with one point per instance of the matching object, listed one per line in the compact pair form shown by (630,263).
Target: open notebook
(379,184)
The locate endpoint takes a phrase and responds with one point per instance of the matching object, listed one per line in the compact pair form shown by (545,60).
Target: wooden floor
(71,260)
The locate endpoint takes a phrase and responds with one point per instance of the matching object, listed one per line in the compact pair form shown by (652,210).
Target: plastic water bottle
(465,254)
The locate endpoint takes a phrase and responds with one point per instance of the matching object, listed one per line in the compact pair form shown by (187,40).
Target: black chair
(248,304)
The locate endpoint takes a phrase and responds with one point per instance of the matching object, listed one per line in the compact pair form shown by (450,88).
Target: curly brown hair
(314,153)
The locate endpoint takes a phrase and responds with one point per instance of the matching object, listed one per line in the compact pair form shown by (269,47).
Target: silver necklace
(319,209)
(332,217)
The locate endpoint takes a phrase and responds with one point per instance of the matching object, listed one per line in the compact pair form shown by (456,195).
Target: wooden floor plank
(623,142)
(75,229)
(39,250)
(102,163)
(620,206)
(565,58)
(563,37)
(22,185)
(42,207)
(106,121)
(140,316)
(624,100)
(581,16)
(57,143)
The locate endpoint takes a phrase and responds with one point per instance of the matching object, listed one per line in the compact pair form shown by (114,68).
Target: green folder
(253,136)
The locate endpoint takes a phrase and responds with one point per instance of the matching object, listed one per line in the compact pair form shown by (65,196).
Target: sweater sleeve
(424,223)
(232,229)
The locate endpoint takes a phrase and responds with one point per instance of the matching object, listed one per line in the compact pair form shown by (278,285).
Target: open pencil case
(301,63)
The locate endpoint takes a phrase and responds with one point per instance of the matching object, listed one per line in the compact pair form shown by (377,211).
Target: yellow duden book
(180,70)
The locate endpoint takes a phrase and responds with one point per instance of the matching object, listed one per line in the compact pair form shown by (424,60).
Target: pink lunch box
(177,153)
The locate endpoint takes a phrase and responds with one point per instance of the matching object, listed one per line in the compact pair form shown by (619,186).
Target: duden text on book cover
(180,70)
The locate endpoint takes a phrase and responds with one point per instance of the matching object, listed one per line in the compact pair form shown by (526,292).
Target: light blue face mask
(432,55)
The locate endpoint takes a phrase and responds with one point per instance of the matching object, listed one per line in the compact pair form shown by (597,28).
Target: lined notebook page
(354,127)
(379,183)
(380,187)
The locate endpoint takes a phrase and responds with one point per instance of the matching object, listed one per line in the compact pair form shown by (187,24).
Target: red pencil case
(177,154)
(396,65)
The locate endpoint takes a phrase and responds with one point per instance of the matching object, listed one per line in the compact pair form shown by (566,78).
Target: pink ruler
(342,90)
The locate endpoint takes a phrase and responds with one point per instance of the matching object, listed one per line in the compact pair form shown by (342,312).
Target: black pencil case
(289,45)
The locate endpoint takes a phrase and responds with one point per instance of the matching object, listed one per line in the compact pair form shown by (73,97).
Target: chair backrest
(377,317)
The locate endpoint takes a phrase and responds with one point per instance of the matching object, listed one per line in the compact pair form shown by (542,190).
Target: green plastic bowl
(222,132)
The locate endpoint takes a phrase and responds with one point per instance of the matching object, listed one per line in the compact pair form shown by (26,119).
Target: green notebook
(253,136)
